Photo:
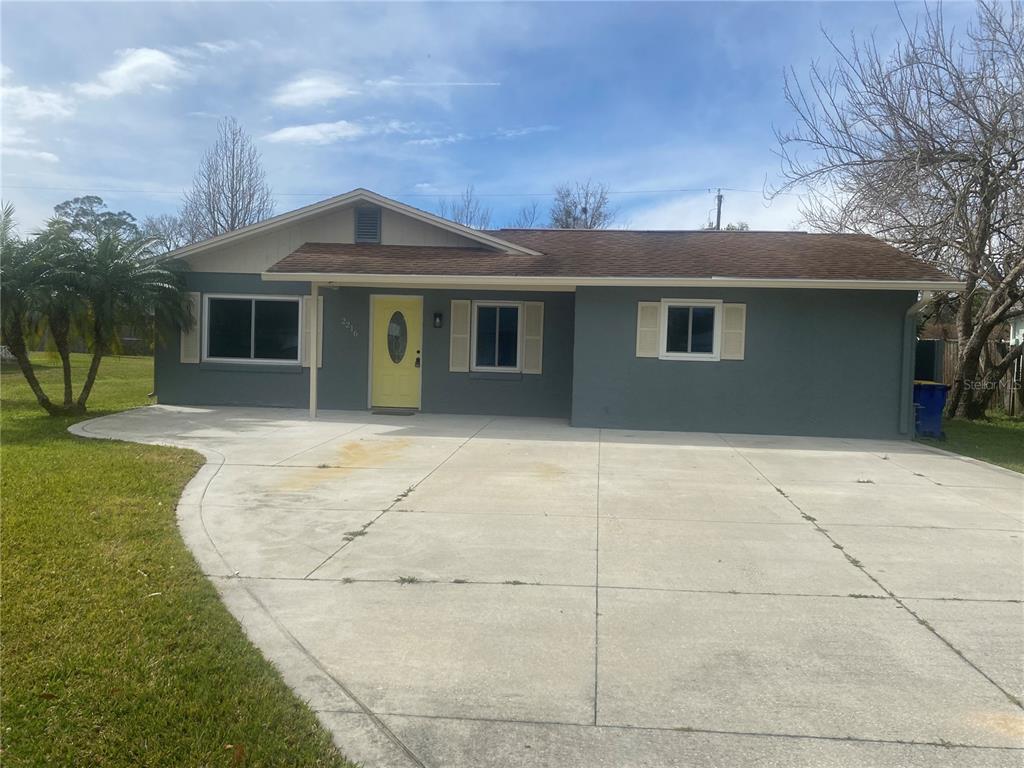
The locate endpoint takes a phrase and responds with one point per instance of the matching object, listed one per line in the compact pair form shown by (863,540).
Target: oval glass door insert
(398,337)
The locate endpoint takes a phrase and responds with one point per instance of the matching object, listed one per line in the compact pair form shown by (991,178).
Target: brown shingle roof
(625,253)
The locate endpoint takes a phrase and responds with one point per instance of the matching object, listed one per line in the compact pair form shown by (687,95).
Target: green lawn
(1000,440)
(116,650)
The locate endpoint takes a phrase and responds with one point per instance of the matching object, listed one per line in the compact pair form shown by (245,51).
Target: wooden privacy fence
(1007,393)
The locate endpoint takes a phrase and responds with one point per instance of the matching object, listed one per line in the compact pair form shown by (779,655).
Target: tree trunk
(60,327)
(16,344)
(98,350)
(90,379)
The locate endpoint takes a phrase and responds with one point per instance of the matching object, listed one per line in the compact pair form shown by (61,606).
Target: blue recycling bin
(929,403)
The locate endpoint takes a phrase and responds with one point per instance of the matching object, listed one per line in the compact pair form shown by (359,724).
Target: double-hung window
(690,329)
(252,329)
(497,330)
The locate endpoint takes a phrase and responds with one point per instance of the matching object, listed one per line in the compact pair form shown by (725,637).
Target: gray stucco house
(361,302)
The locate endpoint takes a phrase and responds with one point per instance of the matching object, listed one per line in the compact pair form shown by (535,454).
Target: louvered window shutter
(458,354)
(648,332)
(533,336)
(191,340)
(734,331)
(367,225)
(307,321)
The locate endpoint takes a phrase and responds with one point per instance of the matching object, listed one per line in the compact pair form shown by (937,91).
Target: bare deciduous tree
(924,148)
(582,206)
(166,230)
(526,217)
(230,189)
(467,210)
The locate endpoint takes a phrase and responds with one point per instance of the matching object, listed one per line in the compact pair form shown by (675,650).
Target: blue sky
(414,101)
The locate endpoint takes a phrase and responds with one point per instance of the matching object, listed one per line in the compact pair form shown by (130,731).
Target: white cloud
(400,82)
(515,133)
(13,134)
(29,154)
(138,68)
(219,46)
(314,88)
(32,104)
(436,141)
(316,133)
(342,130)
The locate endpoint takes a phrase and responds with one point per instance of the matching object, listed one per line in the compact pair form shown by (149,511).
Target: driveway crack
(403,495)
(860,566)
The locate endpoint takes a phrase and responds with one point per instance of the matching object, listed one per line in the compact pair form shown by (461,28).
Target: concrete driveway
(453,591)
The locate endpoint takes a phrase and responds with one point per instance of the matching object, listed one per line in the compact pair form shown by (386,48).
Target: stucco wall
(230,383)
(816,363)
(344,382)
(343,379)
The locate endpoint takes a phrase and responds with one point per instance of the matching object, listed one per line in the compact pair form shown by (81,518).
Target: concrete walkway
(454,591)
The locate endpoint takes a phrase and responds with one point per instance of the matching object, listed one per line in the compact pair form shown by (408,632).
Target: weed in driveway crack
(407,580)
(404,493)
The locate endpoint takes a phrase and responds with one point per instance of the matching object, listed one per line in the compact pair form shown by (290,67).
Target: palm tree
(123,283)
(57,296)
(55,281)
(20,281)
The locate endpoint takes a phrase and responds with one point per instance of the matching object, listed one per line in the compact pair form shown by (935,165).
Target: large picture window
(252,329)
(690,329)
(496,334)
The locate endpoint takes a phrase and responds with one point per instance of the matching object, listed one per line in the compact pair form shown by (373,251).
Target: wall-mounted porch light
(438,320)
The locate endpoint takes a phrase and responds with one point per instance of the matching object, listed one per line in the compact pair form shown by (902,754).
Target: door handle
(417,358)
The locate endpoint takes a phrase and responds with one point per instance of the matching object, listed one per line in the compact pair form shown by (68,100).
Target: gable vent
(367,225)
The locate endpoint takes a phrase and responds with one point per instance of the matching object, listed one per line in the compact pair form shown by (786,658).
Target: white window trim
(716,349)
(519,338)
(253,297)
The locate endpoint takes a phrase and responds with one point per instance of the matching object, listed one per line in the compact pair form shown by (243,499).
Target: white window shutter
(648,332)
(190,340)
(734,331)
(533,336)
(306,327)
(458,353)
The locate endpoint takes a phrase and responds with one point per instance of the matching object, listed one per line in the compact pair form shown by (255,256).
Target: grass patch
(116,650)
(998,440)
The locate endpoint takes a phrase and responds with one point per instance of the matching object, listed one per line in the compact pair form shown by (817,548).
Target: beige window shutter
(305,328)
(458,353)
(734,331)
(191,341)
(320,331)
(533,336)
(648,332)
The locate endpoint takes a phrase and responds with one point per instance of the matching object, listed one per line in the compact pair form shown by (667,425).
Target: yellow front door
(397,348)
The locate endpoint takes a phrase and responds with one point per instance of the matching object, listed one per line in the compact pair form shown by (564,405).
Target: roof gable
(356,196)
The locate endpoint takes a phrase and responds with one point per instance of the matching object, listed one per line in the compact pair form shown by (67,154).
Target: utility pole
(718,216)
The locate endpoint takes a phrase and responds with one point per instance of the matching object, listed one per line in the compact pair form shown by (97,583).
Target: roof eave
(570,282)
